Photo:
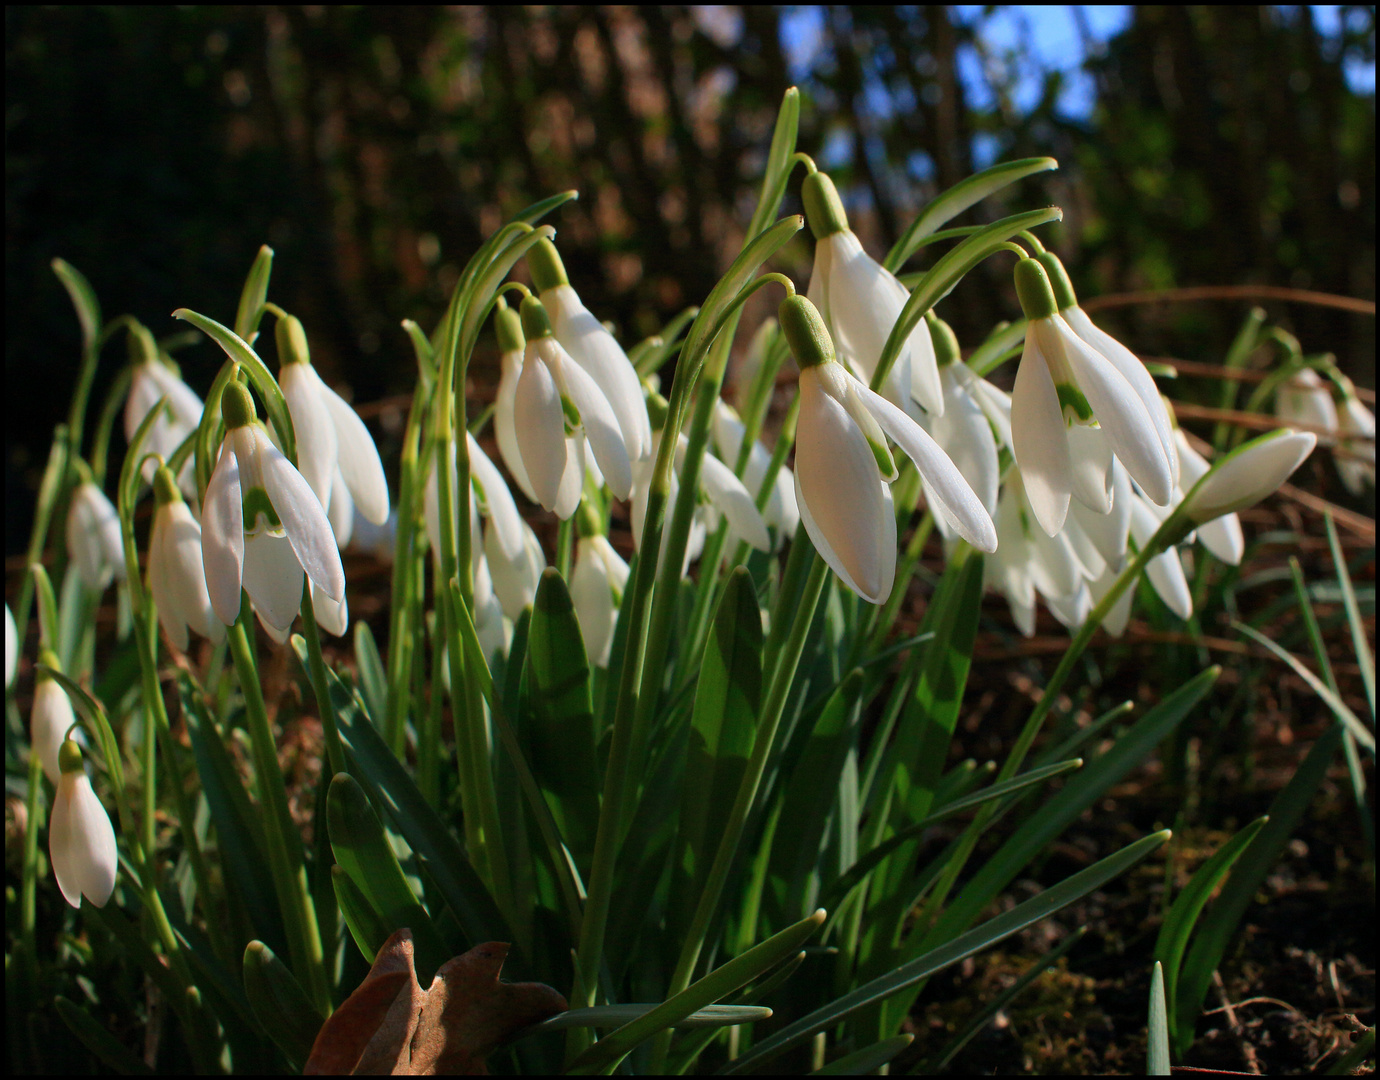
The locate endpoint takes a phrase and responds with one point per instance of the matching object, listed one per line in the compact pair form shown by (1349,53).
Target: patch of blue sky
(1359,73)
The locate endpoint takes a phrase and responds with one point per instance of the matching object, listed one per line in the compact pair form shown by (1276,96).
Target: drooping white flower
(781,511)
(489,500)
(1356,423)
(1126,362)
(1063,382)
(597,583)
(93,537)
(263,527)
(1165,570)
(152,380)
(176,574)
(1304,399)
(591,346)
(335,452)
(843,467)
(1248,474)
(860,301)
(515,580)
(963,430)
(556,401)
(512,345)
(81,841)
(51,717)
(11,647)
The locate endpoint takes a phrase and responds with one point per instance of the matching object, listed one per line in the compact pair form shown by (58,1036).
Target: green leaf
(990,354)
(113,1053)
(722,726)
(280,1004)
(808,806)
(603,1016)
(948,271)
(1220,924)
(238,832)
(253,295)
(778,168)
(557,727)
(1349,719)
(867,1060)
(959,198)
(541,208)
(1183,914)
(362,850)
(1157,1063)
(959,948)
(605,1055)
(1365,655)
(365,924)
(83,299)
(373,679)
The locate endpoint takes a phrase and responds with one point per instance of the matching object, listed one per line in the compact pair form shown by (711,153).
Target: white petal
(818,291)
(964,434)
(503,512)
(1223,537)
(540,428)
(273,579)
(592,598)
(1165,570)
(341,511)
(1038,437)
(515,581)
(843,502)
(1108,531)
(1130,427)
(1133,371)
(505,426)
(332,616)
(730,496)
(1072,611)
(597,418)
(303,520)
(1120,614)
(222,537)
(1305,400)
(93,537)
(942,478)
(81,842)
(572,486)
(49,722)
(1090,467)
(358,456)
(598,354)
(11,646)
(1249,473)
(1083,546)
(186,406)
(1054,568)
(317,444)
(925,385)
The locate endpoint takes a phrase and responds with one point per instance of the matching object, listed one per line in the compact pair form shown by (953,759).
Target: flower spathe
(554,392)
(262,526)
(843,467)
(1061,382)
(1248,474)
(860,301)
(176,572)
(81,840)
(93,537)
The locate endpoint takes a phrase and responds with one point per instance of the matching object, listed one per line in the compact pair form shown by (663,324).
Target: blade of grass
(1365,656)
(1157,1057)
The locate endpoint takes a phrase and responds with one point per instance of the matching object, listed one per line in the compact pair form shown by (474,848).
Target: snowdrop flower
(51,717)
(511,345)
(11,647)
(592,347)
(176,575)
(1357,426)
(1248,474)
(860,301)
(93,537)
(753,360)
(781,512)
(1304,399)
(335,452)
(962,429)
(81,841)
(515,580)
(843,467)
(152,380)
(1222,536)
(490,500)
(1063,382)
(262,526)
(1126,362)
(596,589)
(555,400)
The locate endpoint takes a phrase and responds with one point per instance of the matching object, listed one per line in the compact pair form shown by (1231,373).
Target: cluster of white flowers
(1334,409)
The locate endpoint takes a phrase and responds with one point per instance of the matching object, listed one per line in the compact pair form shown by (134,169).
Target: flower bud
(81,841)
(1249,474)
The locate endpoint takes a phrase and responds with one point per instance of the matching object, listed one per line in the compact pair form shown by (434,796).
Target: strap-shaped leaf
(373,679)
(83,299)
(364,923)
(989,933)
(98,1040)
(253,295)
(281,1005)
(557,725)
(959,198)
(867,1060)
(711,1016)
(1157,1058)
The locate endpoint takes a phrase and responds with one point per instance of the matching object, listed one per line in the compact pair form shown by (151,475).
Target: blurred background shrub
(373,148)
